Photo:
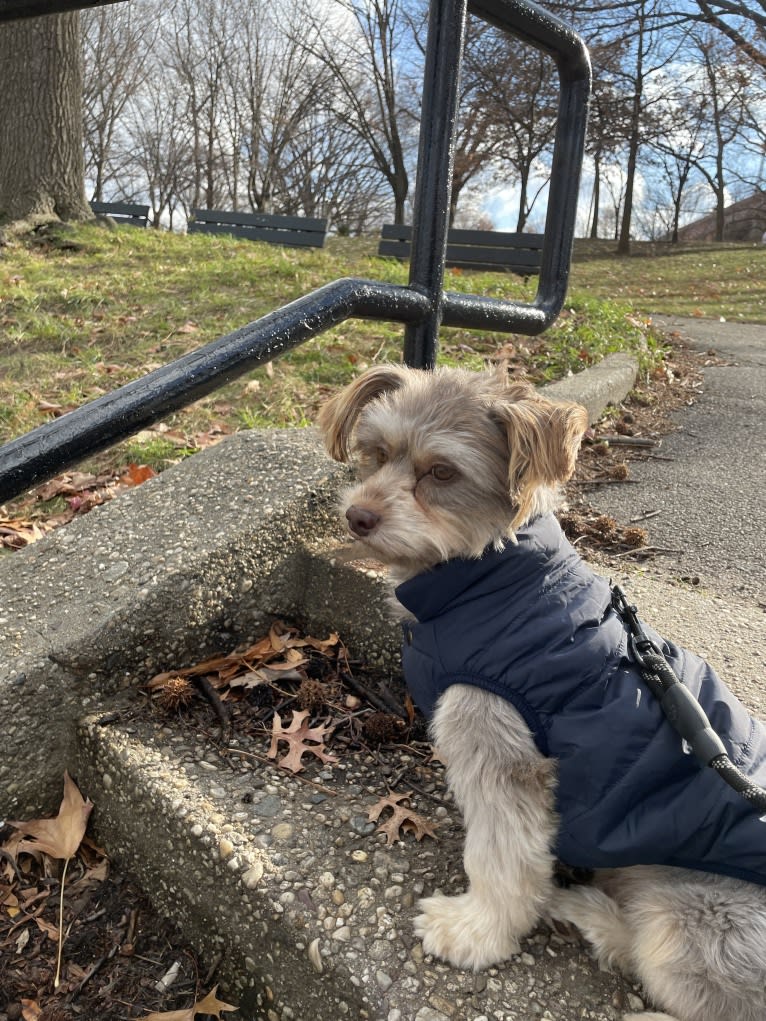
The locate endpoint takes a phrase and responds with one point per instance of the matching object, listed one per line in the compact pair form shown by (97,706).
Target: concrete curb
(312,913)
(609,382)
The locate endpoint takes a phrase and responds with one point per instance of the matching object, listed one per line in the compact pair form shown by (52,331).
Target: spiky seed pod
(573,524)
(634,537)
(176,693)
(604,526)
(619,471)
(311,695)
(380,728)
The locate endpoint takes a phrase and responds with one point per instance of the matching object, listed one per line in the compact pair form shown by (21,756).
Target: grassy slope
(82,317)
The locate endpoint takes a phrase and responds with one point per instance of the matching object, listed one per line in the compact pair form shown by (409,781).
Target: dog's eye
(381,455)
(442,472)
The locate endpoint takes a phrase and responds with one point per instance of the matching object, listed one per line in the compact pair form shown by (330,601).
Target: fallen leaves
(210,1005)
(276,657)
(336,711)
(59,837)
(28,519)
(297,735)
(402,819)
(15,533)
(79,492)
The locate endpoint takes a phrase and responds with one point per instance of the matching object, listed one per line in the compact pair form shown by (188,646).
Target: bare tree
(368,74)
(199,36)
(518,91)
(162,146)
(117,43)
(743,22)
(725,88)
(276,88)
(41,150)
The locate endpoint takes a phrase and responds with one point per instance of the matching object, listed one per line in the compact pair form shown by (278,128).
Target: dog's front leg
(504,788)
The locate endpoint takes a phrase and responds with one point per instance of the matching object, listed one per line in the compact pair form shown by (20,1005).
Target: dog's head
(449,461)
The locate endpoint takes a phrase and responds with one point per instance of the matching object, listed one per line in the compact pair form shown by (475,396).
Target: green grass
(708,280)
(87,309)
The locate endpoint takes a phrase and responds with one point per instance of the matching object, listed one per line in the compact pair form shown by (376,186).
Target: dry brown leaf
(135,474)
(59,837)
(403,819)
(210,1004)
(18,532)
(50,930)
(275,658)
(30,1010)
(296,736)
(171,1015)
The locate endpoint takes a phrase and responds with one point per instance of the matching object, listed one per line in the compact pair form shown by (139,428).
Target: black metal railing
(422,305)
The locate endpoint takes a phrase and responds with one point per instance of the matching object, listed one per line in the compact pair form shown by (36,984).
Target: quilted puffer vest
(535,625)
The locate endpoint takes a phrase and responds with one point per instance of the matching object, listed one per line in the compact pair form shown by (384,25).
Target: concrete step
(287,880)
(310,909)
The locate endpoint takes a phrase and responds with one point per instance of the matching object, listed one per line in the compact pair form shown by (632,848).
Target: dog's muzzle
(362,522)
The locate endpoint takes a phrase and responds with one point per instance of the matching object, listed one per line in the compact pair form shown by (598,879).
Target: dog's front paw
(462,931)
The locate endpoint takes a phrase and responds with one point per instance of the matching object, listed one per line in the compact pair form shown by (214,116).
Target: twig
(91,972)
(645,515)
(269,762)
(603,482)
(385,703)
(212,969)
(640,550)
(207,689)
(627,441)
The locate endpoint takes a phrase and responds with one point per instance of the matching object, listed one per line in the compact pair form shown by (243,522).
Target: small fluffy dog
(513,649)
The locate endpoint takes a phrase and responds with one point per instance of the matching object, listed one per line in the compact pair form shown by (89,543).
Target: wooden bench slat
(458,235)
(130,213)
(473,249)
(241,219)
(274,228)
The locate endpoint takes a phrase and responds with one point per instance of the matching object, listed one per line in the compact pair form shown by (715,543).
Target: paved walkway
(710,494)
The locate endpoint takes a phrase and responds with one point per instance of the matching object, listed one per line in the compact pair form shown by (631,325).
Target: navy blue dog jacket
(534,624)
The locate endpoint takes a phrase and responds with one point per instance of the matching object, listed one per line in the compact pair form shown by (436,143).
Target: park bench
(123,212)
(473,249)
(295,231)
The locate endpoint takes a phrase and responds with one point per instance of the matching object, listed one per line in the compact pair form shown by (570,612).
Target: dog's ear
(543,440)
(338,417)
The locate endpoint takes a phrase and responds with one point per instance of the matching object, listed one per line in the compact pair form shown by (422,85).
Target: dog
(459,473)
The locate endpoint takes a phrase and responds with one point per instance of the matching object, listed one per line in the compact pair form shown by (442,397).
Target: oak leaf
(296,735)
(59,837)
(402,819)
(209,1005)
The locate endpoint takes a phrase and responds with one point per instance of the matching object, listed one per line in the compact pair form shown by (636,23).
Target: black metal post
(10,10)
(433,188)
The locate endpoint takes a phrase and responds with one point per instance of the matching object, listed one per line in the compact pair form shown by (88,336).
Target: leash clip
(639,642)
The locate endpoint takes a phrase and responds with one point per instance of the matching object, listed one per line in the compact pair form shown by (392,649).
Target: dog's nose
(361,521)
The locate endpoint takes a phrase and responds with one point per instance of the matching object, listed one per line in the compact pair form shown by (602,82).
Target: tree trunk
(596,198)
(41,134)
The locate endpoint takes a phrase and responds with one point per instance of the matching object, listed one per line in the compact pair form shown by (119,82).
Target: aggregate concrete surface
(310,910)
